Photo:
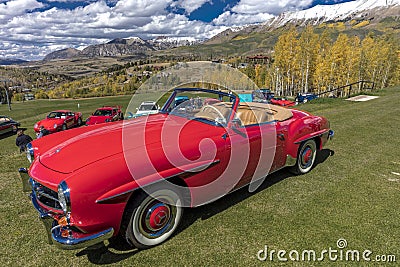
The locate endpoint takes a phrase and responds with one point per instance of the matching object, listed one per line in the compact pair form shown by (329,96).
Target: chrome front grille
(46,196)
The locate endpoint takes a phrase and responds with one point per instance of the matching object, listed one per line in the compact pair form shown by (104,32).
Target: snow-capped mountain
(359,10)
(122,47)
(321,13)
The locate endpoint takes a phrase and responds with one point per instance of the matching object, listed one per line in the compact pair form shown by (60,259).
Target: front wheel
(64,127)
(153,217)
(305,157)
(79,121)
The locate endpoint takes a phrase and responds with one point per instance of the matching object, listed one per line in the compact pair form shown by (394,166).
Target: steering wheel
(222,120)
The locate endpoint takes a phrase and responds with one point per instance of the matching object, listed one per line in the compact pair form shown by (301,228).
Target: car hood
(49,123)
(97,119)
(71,150)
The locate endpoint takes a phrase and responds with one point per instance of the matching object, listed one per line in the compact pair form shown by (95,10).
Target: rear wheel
(305,157)
(79,121)
(152,217)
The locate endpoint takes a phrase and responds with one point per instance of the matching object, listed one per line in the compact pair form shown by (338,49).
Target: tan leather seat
(214,111)
(250,116)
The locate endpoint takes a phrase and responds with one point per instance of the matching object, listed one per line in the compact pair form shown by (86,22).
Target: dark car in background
(305,97)
(8,125)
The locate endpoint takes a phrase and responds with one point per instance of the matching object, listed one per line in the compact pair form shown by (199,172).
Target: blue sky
(33,28)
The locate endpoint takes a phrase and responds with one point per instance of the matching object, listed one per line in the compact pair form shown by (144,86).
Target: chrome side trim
(193,170)
(312,136)
(290,161)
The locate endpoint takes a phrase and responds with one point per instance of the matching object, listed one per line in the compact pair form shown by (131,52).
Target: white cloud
(238,19)
(27,33)
(254,11)
(190,5)
(251,7)
(17,8)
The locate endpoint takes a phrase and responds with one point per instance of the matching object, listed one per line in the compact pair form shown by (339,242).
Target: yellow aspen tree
(338,58)
(308,48)
(387,61)
(353,59)
(322,65)
(285,52)
(368,58)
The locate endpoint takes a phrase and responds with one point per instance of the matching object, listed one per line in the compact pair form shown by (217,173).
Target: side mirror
(236,123)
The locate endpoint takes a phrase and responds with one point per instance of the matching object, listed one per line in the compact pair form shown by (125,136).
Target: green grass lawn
(353,193)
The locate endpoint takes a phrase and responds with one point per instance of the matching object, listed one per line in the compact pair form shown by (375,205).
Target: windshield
(204,105)
(102,112)
(145,107)
(4,119)
(56,115)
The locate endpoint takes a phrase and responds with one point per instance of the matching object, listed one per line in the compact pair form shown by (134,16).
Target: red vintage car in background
(105,114)
(280,101)
(134,178)
(59,120)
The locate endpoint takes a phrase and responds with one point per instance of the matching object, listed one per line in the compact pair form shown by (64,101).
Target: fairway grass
(352,194)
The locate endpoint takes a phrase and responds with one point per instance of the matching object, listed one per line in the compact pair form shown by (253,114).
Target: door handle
(281,136)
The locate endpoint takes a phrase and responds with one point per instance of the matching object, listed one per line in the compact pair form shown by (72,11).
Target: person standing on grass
(21,142)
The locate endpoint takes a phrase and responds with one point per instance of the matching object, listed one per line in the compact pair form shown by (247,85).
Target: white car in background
(146,108)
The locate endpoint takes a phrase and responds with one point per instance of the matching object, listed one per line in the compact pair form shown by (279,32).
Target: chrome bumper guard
(23,173)
(53,230)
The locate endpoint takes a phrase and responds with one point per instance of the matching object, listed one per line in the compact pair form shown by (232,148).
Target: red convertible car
(105,114)
(59,120)
(134,178)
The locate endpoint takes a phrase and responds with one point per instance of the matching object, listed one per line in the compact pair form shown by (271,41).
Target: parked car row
(267,96)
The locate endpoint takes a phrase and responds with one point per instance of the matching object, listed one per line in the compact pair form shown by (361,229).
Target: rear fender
(315,135)
(306,128)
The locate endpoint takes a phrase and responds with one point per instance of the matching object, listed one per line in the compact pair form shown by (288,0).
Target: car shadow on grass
(6,135)
(104,254)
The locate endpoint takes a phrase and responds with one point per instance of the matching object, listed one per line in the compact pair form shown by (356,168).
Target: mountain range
(360,9)
(121,47)
(360,14)
(378,15)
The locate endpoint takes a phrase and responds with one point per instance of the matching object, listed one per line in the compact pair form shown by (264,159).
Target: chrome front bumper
(53,230)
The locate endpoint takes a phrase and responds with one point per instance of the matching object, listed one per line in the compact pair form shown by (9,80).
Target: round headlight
(55,126)
(36,125)
(64,197)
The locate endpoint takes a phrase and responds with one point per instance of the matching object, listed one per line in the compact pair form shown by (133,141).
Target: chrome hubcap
(157,219)
(306,157)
